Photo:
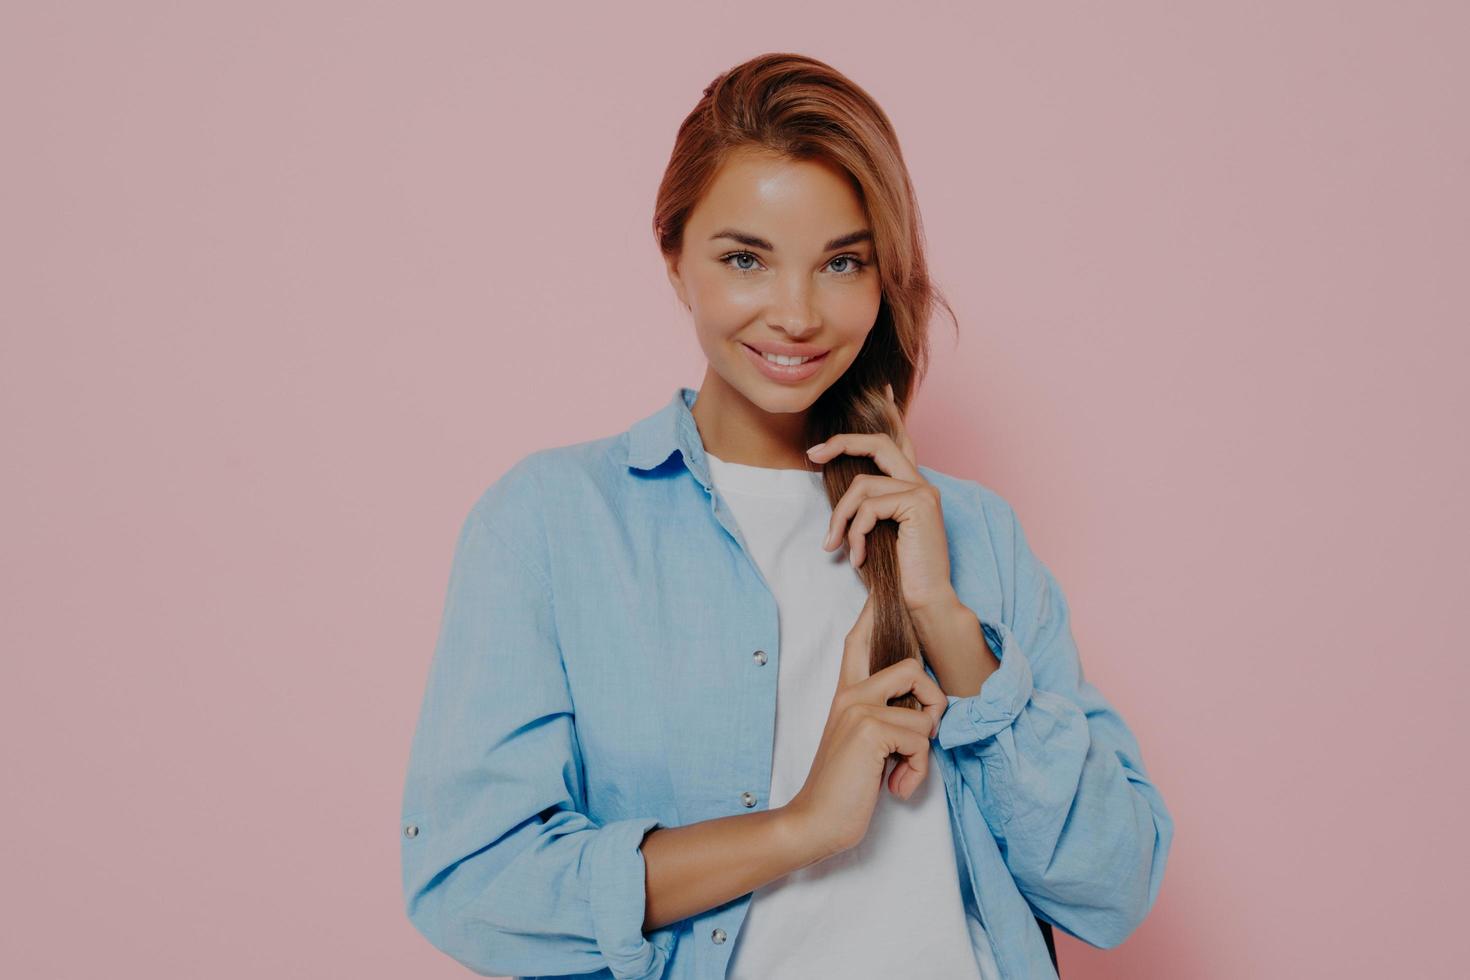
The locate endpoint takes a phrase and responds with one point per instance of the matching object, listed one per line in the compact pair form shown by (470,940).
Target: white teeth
(783,359)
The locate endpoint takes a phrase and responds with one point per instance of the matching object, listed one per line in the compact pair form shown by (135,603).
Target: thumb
(856,658)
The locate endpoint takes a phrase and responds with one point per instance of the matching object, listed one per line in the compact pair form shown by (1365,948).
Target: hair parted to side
(805,109)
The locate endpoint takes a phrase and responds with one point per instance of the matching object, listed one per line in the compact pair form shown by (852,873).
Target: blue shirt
(606,664)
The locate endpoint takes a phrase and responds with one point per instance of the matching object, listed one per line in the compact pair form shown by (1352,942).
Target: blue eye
(855,265)
(736,255)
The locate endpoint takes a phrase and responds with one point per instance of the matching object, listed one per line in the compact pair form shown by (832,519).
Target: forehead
(793,203)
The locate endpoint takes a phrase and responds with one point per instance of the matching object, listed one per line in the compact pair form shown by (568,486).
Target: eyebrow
(745,238)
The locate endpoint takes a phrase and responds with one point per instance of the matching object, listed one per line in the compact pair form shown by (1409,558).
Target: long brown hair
(805,109)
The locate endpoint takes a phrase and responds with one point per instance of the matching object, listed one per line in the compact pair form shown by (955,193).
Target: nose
(791,309)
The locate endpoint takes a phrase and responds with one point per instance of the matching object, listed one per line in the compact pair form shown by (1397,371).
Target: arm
(705,864)
(1058,774)
(502,869)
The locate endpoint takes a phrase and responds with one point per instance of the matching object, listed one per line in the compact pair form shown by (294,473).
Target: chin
(786,403)
(780,399)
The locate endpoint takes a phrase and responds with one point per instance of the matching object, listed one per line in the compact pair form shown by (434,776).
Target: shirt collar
(652,440)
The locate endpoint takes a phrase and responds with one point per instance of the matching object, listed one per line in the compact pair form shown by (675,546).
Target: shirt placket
(715,931)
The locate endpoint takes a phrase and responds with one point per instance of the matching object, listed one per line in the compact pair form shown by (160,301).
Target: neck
(737,430)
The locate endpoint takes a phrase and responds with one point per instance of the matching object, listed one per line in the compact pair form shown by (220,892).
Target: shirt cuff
(618,897)
(1001,698)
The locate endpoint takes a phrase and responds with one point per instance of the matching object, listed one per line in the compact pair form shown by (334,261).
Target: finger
(931,697)
(912,767)
(864,485)
(901,678)
(878,445)
(892,714)
(897,506)
(904,780)
(896,778)
(913,746)
(934,709)
(856,661)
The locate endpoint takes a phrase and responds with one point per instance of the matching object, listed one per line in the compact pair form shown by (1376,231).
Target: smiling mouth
(797,362)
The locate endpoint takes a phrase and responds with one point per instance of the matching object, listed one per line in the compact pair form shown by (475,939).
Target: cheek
(852,313)
(721,305)
(725,293)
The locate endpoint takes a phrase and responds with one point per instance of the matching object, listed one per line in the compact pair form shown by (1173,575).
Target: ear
(675,280)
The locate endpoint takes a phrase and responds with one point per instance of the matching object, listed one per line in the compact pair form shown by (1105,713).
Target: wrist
(938,617)
(953,645)
(797,838)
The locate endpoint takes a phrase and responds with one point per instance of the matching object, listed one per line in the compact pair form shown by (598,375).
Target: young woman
(746,690)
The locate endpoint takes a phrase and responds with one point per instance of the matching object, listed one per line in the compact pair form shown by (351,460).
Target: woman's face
(777,257)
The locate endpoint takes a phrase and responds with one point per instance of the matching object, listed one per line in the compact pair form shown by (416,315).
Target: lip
(790,350)
(780,372)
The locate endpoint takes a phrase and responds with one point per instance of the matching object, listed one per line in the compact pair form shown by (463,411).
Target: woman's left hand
(902,495)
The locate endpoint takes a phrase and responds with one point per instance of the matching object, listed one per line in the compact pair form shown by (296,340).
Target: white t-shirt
(890,906)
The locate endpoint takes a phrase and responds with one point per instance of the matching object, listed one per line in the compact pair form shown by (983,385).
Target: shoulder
(541,488)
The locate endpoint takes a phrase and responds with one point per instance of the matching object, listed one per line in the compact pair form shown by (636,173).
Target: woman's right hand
(835,805)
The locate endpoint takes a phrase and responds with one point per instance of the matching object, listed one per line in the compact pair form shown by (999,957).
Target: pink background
(287,285)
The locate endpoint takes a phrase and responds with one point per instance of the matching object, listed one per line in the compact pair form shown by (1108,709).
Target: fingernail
(815,448)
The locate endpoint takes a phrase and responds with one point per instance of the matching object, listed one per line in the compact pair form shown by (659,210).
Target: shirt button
(718,935)
(760,657)
(412,830)
(748,798)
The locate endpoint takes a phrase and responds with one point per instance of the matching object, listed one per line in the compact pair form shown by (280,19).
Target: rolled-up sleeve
(1002,697)
(502,868)
(1056,772)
